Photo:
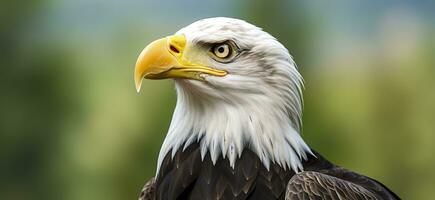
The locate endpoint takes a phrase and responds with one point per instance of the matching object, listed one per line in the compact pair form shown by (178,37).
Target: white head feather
(257,105)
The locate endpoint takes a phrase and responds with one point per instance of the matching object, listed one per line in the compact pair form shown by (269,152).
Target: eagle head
(237,87)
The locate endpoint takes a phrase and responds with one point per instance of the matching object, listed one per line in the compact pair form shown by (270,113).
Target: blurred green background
(72,126)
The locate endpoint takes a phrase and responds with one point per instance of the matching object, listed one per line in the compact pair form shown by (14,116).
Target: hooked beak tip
(138,84)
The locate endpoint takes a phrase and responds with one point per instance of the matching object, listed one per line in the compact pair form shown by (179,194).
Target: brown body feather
(186,176)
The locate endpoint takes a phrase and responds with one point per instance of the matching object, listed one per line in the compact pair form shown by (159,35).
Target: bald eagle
(235,131)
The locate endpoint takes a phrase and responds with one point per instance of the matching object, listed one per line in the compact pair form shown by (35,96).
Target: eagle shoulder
(335,183)
(148,191)
(310,185)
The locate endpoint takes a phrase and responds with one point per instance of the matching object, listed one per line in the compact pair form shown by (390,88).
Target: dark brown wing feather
(148,190)
(377,188)
(324,180)
(310,185)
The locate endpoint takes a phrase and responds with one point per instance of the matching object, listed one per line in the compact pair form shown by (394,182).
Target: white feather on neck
(256,121)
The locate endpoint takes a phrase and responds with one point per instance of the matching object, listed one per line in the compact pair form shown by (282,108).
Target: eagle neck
(225,129)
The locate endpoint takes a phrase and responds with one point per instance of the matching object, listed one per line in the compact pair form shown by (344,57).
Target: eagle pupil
(221,49)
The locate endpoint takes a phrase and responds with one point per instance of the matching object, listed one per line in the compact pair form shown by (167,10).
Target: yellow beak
(163,58)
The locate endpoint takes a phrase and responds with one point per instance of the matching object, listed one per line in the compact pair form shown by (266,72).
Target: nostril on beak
(174,49)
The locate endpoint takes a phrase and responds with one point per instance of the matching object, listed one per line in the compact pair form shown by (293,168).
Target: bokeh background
(72,126)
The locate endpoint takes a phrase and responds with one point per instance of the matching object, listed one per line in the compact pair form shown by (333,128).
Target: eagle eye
(224,52)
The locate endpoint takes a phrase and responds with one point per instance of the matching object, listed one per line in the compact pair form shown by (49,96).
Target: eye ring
(224,52)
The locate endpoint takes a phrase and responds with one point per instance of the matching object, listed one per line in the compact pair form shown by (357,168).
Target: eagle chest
(187,176)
